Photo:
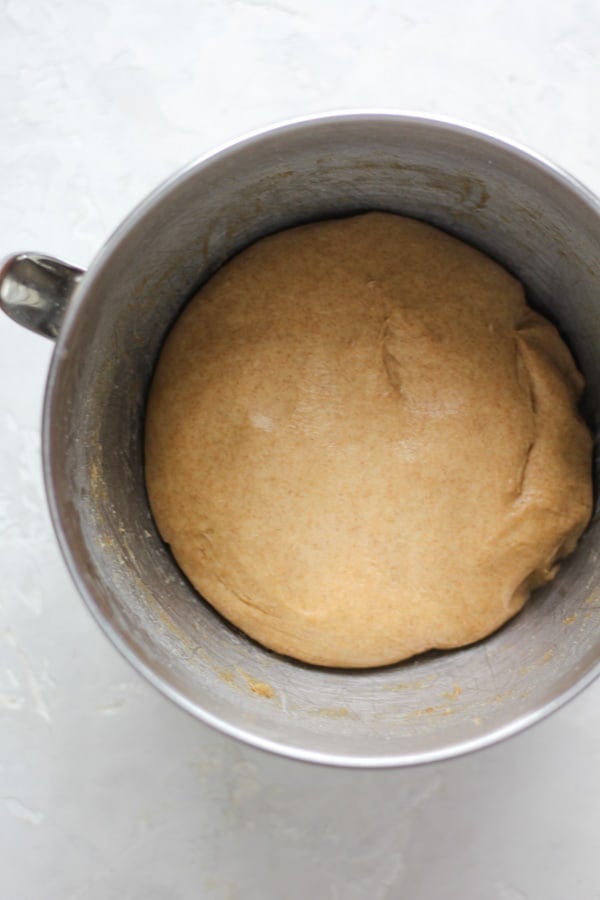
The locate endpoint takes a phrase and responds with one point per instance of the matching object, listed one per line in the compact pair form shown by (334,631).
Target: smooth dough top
(362,444)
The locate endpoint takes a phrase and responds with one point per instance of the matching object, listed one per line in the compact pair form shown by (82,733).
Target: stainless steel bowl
(530,216)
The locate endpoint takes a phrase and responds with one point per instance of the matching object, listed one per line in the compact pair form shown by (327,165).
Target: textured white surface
(107,790)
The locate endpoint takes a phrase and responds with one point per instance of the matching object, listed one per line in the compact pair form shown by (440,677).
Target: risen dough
(362,444)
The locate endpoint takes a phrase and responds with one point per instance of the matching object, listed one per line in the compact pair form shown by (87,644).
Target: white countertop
(106,789)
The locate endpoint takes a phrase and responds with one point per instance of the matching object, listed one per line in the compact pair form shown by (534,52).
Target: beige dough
(361,443)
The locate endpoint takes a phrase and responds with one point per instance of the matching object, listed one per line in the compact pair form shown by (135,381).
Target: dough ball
(362,444)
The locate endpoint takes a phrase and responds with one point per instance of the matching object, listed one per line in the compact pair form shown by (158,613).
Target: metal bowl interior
(538,222)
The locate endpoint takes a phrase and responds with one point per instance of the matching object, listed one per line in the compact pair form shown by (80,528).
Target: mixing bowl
(110,322)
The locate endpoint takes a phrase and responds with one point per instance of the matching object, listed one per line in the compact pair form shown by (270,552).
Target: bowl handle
(35,290)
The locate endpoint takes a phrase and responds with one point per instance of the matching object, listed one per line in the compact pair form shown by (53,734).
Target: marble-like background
(106,789)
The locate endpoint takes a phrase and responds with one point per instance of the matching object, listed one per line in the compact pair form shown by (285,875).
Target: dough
(361,443)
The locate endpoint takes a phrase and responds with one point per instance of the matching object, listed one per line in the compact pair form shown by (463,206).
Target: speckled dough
(361,443)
